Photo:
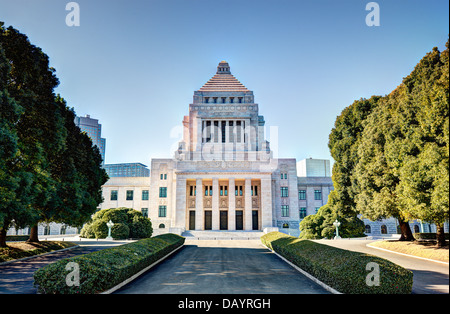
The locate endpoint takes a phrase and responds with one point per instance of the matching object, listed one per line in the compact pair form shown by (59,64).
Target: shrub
(102,270)
(342,270)
(427,236)
(138,226)
(120,231)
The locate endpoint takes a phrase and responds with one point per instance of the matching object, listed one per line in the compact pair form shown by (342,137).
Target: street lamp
(337,224)
(109,224)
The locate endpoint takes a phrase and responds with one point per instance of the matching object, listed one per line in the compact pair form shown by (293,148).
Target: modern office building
(127,170)
(94,131)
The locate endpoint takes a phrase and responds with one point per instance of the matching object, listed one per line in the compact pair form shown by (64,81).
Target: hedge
(428,236)
(343,270)
(102,270)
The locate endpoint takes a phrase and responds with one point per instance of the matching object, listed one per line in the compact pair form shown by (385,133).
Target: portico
(223,201)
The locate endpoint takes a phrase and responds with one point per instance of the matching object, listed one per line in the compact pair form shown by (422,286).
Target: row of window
(223,190)
(223,100)
(301,193)
(129,195)
(162,211)
(317,195)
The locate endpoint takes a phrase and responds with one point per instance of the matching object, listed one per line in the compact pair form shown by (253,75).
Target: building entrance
(223,220)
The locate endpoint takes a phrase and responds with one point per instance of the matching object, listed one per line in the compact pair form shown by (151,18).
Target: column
(248,205)
(215,205)
(266,202)
(180,203)
(231,204)
(199,213)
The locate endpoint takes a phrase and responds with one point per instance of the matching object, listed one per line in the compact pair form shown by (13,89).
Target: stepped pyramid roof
(223,81)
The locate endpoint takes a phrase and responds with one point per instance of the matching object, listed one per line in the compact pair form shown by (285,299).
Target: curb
(320,283)
(404,254)
(127,281)
(38,255)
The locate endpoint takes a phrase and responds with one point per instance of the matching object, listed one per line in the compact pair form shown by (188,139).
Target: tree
(320,225)
(53,170)
(423,166)
(377,180)
(344,141)
(128,223)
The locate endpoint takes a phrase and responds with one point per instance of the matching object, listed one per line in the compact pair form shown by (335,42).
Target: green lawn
(16,250)
(421,249)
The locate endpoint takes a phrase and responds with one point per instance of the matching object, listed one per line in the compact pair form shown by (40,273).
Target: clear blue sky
(135,65)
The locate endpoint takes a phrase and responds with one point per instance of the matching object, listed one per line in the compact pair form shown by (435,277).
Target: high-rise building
(94,131)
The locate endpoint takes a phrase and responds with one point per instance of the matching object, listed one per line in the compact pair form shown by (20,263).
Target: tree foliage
(391,153)
(49,170)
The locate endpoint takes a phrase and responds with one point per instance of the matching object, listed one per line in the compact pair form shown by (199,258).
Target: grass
(426,249)
(16,250)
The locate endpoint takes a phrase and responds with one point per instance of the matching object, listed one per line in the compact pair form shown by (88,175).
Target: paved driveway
(17,277)
(223,267)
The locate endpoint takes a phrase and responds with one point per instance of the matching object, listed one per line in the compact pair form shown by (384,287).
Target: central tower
(223,122)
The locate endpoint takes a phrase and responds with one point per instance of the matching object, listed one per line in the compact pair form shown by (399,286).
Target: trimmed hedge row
(428,236)
(102,270)
(343,270)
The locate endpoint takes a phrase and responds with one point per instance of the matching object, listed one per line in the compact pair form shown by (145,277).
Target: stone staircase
(222,235)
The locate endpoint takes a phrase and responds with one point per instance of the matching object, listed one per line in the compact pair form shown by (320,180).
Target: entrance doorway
(192,220)
(223,220)
(239,220)
(208,220)
(255,220)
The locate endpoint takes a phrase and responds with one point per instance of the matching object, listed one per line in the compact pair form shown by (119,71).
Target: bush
(120,231)
(102,270)
(340,269)
(427,236)
(130,224)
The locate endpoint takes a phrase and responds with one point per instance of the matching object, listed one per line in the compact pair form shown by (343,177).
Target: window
(144,212)
(368,229)
(302,212)
(162,226)
(317,209)
(192,190)
(208,190)
(163,192)
(231,100)
(238,190)
(317,195)
(206,99)
(162,211)
(223,190)
(284,210)
(285,225)
(302,195)
(215,100)
(384,229)
(240,100)
(254,190)
(223,131)
(223,100)
(284,191)
(162,176)
(165,176)
(145,195)
(129,195)
(114,195)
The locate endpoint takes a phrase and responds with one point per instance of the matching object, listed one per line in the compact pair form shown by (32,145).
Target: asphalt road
(223,267)
(429,277)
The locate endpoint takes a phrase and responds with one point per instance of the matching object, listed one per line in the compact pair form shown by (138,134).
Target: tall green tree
(53,170)
(420,152)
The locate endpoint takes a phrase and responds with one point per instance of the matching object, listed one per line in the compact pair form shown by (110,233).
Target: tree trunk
(3,237)
(33,234)
(406,231)
(440,236)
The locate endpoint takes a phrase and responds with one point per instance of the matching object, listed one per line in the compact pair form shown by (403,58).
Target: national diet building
(224,176)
